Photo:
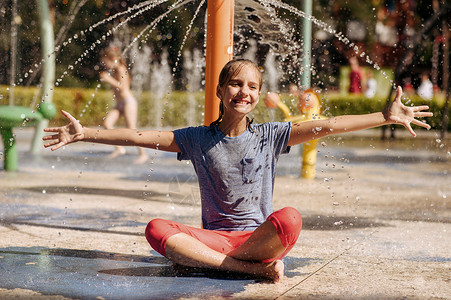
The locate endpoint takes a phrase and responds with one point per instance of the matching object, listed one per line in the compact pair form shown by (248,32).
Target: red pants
(287,221)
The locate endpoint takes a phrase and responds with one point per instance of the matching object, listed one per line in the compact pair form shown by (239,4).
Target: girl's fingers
(59,145)
(423,114)
(51,129)
(50,137)
(51,144)
(422,124)
(409,128)
(421,107)
(69,116)
(418,112)
(398,94)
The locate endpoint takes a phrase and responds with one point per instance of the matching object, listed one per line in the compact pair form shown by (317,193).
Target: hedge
(90,106)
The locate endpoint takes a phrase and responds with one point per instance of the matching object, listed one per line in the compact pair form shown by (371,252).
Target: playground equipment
(310,109)
(19,116)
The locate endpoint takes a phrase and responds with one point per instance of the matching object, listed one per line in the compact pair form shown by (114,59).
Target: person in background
(118,76)
(408,88)
(426,88)
(371,85)
(355,76)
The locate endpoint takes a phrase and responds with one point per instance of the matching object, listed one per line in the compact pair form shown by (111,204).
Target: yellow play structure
(310,109)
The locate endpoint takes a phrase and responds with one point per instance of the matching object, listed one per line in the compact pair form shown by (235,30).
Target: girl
(119,78)
(235,163)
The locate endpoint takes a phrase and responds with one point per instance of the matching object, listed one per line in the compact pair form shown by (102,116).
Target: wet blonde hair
(228,72)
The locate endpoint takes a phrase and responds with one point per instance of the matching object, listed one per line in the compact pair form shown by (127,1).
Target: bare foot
(141,159)
(275,270)
(118,152)
(272,271)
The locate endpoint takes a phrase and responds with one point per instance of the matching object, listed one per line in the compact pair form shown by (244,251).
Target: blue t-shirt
(236,174)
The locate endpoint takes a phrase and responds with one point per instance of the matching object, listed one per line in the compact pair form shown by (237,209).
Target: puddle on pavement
(100,220)
(91,274)
(318,222)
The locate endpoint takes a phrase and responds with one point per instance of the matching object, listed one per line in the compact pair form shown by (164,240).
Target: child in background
(119,78)
(426,88)
(355,76)
(408,88)
(235,161)
(371,85)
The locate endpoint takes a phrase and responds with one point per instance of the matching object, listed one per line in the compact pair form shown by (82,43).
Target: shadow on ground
(91,274)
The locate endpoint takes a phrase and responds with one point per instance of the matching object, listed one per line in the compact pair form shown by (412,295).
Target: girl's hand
(398,113)
(70,133)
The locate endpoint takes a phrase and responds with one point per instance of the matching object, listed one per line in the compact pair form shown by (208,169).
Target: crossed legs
(256,253)
(188,251)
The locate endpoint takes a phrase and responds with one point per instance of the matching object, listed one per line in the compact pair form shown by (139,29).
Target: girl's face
(242,92)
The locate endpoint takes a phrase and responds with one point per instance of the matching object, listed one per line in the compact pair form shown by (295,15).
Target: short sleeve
(183,138)
(281,135)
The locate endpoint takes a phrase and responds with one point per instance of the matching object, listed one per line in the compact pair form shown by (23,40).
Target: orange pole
(219,51)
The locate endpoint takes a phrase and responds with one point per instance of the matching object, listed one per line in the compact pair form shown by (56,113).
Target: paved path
(377,224)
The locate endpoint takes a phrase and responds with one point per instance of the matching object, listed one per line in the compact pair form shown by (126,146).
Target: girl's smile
(242,93)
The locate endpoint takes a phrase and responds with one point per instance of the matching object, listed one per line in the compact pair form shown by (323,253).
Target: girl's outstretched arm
(75,132)
(396,113)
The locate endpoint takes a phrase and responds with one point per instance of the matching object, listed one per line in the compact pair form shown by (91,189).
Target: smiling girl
(235,163)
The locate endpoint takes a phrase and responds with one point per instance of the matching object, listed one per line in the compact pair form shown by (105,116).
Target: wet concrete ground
(377,224)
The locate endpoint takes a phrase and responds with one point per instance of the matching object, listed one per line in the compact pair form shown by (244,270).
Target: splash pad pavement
(377,224)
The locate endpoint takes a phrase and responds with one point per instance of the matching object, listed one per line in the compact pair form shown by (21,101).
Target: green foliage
(91,106)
